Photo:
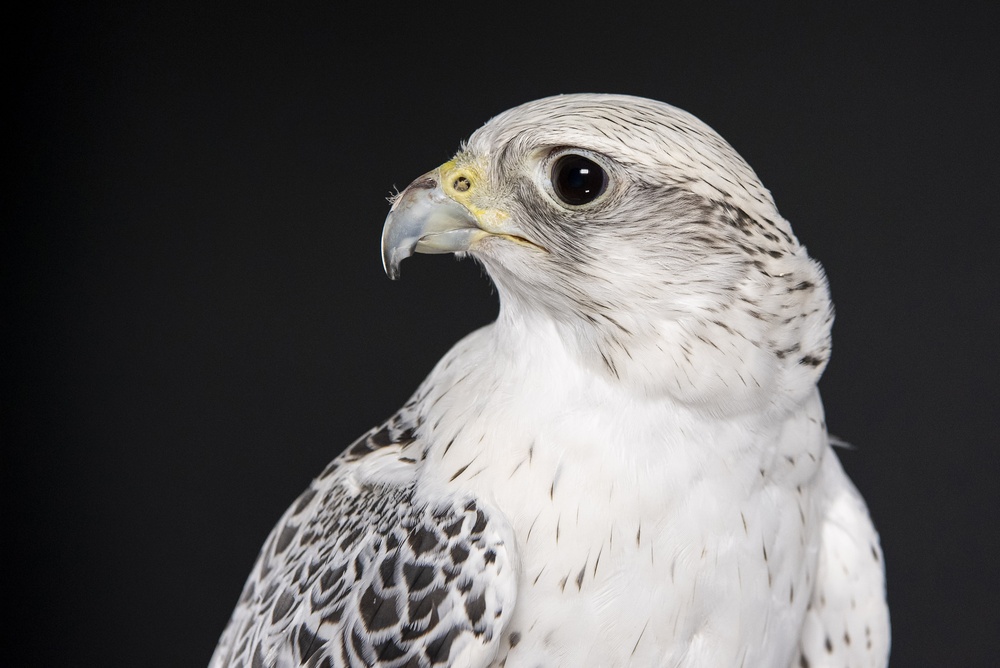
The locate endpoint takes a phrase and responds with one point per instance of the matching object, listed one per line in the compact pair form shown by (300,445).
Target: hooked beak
(438,213)
(424,219)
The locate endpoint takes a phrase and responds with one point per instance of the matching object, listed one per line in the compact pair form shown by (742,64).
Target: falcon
(630,467)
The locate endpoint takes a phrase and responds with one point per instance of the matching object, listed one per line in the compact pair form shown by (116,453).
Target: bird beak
(425,219)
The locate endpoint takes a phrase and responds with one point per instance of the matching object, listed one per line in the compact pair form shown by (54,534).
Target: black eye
(578,180)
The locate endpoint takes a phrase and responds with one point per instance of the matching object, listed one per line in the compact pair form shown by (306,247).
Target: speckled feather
(360,572)
(630,467)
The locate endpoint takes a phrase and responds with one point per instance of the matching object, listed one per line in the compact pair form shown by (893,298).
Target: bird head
(642,236)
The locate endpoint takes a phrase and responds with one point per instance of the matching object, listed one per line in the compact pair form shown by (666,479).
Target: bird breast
(652,528)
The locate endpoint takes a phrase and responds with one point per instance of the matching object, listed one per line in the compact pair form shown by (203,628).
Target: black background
(200,321)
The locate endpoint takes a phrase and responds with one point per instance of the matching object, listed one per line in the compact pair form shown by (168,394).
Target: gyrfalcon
(630,467)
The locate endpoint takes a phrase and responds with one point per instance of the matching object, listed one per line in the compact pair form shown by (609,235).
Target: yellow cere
(462,181)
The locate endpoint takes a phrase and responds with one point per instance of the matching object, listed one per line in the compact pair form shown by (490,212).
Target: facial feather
(685,238)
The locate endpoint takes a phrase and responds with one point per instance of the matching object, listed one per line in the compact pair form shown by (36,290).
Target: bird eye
(577,180)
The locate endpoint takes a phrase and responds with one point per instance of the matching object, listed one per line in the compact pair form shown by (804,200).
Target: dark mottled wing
(364,571)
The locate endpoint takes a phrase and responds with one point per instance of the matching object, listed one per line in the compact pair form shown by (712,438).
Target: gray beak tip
(391,270)
(397,245)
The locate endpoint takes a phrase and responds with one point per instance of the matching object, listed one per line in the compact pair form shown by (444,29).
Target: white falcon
(630,467)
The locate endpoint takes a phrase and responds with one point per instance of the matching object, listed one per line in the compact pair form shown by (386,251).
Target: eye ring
(576,179)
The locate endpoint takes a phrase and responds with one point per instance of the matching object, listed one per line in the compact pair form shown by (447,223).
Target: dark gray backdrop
(199,321)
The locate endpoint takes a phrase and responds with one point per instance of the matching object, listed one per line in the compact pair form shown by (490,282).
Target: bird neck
(693,363)
(530,379)
(760,347)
